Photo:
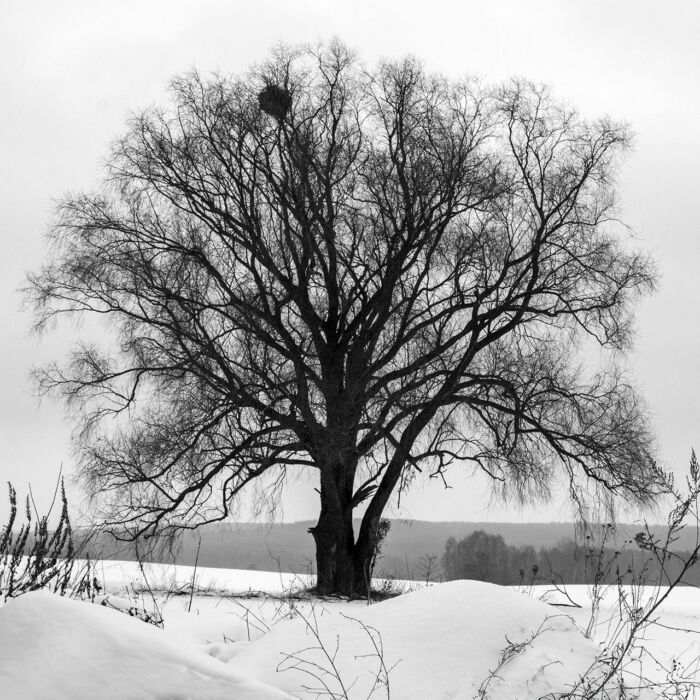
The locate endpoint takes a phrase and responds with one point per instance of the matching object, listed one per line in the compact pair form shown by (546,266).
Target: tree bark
(333,535)
(342,567)
(364,555)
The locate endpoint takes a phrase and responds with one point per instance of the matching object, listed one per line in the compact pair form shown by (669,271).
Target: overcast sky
(70,73)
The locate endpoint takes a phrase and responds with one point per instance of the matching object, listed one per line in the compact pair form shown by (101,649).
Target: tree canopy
(369,273)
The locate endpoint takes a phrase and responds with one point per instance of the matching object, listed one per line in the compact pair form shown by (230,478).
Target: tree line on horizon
(416,552)
(483,556)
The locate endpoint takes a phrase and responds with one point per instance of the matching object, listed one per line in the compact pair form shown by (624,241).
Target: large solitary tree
(370,274)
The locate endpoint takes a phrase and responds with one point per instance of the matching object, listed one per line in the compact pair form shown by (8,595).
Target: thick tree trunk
(342,567)
(334,539)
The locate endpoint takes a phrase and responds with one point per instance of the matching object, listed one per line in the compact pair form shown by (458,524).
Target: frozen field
(256,635)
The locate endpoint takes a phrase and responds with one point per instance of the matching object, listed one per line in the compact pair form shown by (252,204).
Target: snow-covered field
(246,635)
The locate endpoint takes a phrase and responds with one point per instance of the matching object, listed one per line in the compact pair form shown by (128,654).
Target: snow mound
(440,642)
(53,647)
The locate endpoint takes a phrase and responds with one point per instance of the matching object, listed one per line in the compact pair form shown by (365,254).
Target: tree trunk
(342,567)
(334,539)
(363,562)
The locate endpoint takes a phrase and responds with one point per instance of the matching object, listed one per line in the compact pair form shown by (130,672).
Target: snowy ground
(460,640)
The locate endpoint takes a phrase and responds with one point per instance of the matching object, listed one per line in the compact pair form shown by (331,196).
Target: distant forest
(502,553)
(486,557)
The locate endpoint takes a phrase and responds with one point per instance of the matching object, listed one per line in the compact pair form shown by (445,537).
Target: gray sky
(71,71)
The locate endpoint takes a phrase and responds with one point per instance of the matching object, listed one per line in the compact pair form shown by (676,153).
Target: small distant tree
(485,557)
(371,274)
(479,556)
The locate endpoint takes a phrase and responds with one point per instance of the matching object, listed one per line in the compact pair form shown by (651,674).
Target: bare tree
(370,274)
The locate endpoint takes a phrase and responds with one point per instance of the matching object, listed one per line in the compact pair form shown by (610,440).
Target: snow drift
(457,640)
(440,642)
(53,647)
